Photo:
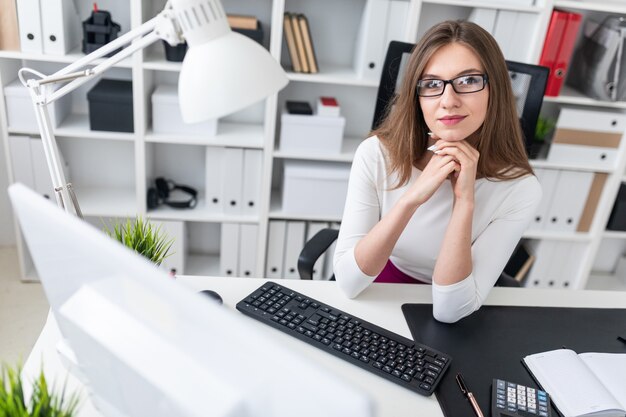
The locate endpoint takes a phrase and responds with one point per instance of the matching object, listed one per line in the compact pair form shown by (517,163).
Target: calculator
(515,400)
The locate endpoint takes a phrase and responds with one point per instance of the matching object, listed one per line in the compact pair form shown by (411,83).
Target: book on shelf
(290,38)
(308,44)
(297,33)
(237,21)
(582,385)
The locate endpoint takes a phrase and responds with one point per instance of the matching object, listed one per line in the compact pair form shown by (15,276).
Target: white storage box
(315,188)
(166,117)
(313,134)
(21,111)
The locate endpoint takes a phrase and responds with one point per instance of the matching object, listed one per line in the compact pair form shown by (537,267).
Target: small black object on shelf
(111,106)
(617,220)
(254,34)
(175,53)
(98,30)
(299,107)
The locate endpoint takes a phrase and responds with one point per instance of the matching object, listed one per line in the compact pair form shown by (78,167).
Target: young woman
(443,190)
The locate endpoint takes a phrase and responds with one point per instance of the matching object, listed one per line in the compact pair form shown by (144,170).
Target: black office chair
(529,85)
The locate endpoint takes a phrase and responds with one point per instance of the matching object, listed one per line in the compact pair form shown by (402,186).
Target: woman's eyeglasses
(470,83)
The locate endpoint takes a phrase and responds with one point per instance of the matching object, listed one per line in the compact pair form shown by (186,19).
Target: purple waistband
(391,274)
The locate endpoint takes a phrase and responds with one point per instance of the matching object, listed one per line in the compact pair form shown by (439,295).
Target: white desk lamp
(222,72)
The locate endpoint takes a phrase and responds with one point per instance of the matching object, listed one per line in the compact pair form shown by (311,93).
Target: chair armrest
(313,249)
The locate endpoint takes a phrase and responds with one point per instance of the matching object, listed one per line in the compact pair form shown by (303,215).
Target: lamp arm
(163,26)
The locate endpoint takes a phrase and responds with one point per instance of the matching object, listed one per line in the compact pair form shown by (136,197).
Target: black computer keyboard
(386,354)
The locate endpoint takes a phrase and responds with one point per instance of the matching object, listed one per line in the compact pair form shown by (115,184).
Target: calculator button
(543,414)
(500,384)
(500,396)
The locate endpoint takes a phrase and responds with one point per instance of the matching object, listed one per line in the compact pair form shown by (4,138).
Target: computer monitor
(148,346)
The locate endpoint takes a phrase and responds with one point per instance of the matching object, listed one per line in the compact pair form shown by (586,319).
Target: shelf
(598,6)
(205,265)
(554,235)
(77,125)
(348,148)
(199,214)
(613,234)
(107,201)
(332,74)
(486,5)
(156,61)
(542,163)
(570,96)
(605,282)
(73,56)
(243,135)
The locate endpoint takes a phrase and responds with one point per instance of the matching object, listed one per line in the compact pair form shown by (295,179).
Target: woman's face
(453,116)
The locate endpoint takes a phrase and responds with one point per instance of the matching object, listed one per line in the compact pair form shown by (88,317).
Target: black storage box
(617,221)
(111,106)
(175,53)
(254,34)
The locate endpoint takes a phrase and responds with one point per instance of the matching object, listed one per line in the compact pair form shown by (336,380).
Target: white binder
(60,26)
(21,161)
(294,242)
(229,250)
(568,201)
(548,179)
(175,261)
(483,17)
(29,22)
(330,255)
(248,234)
(396,24)
(519,46)
(318,268)
(544,250)
(275,249)
(370,48)
(503,30)
(213,183)
(252,175)
(232,178)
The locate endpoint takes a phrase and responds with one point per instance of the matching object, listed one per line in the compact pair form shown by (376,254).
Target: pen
(467,393)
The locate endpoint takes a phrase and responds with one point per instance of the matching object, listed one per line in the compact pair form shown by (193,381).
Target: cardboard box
(166,116)
(315,188)
(21,110)
(111,106)
(312,134)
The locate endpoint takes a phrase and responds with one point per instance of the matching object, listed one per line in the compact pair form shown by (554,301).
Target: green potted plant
(142,237)
(44,402)
(545,126)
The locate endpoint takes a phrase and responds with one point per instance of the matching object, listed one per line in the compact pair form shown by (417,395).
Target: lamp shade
(226,74)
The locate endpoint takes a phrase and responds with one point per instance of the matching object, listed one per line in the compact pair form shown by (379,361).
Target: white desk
(379,304)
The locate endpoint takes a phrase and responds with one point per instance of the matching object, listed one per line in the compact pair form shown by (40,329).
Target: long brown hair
(499,139)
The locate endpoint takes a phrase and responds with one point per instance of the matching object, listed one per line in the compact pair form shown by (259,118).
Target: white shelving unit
(112,171)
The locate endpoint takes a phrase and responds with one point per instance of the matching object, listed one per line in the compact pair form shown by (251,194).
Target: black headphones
(160,193)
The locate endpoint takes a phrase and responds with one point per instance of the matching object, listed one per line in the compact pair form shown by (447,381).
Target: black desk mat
(491,342)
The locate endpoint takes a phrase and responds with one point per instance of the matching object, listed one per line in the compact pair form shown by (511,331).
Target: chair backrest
(528,82)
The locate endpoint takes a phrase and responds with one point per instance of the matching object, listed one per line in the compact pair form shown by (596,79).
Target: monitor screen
(149,346)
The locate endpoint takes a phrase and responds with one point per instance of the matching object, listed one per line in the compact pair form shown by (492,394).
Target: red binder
(558,47)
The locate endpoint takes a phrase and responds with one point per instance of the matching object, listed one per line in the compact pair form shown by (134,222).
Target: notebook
(586,384)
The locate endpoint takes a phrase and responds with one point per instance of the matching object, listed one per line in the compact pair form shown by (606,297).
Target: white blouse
(502,211)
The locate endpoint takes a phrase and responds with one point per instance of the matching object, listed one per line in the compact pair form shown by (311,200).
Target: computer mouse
(212,295)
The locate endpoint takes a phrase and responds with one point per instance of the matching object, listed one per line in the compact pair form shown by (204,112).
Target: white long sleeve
(502,211)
